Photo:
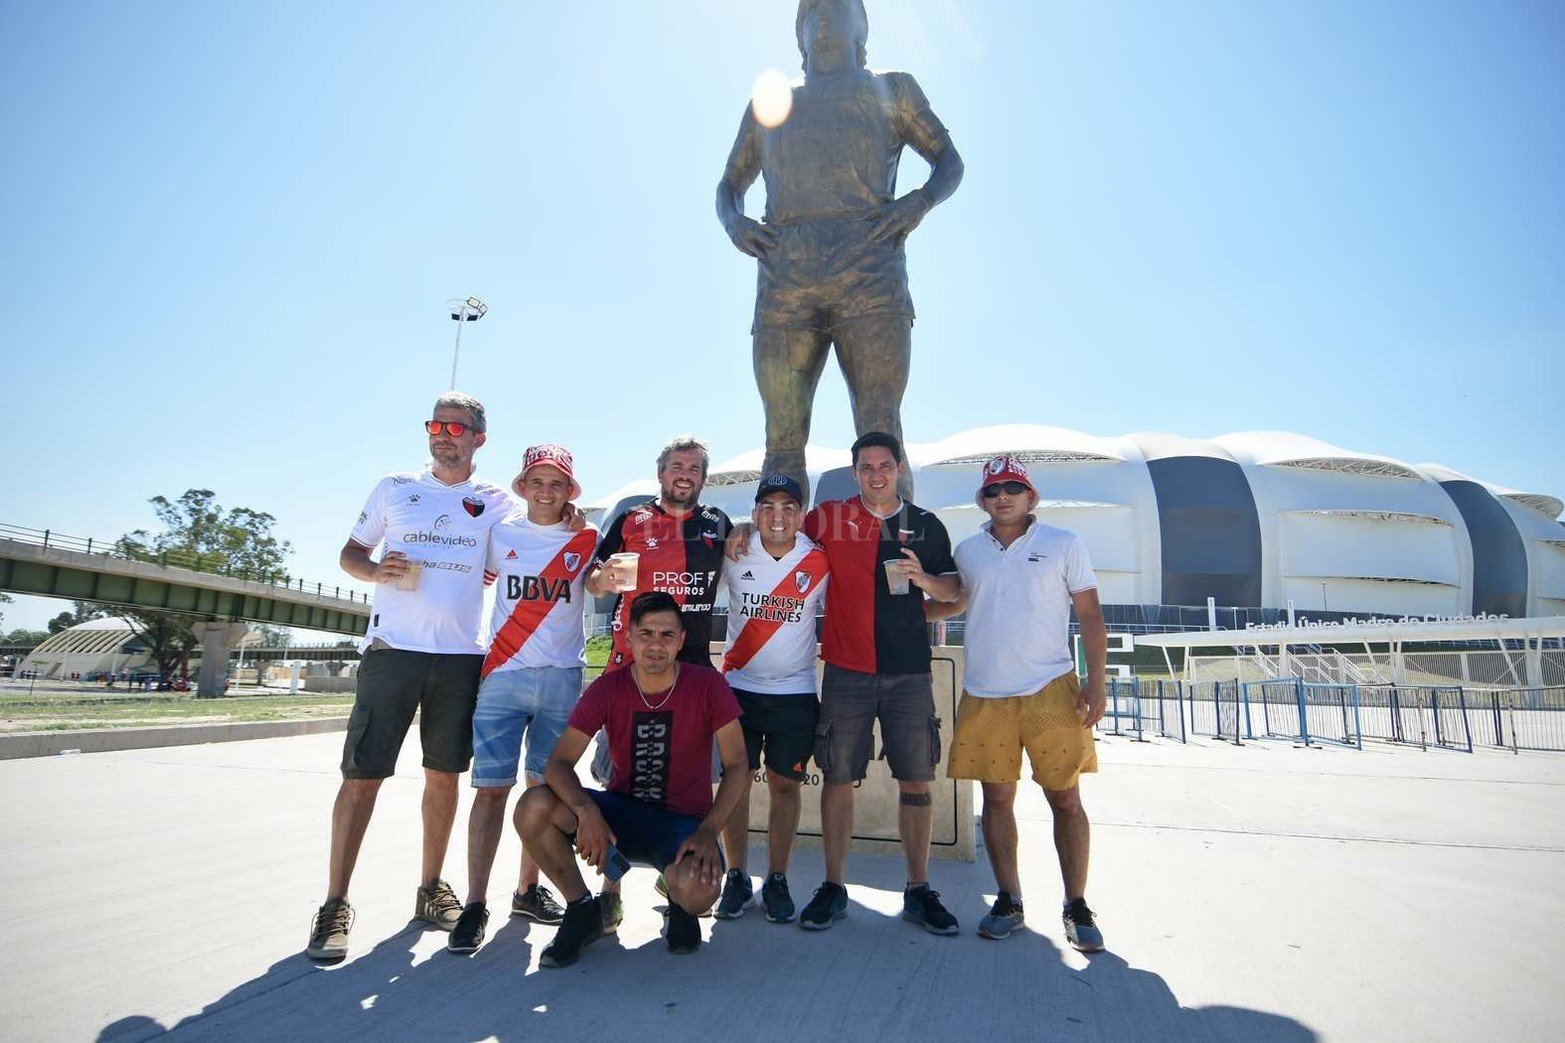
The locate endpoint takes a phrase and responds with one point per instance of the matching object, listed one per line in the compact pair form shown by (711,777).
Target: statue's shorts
(825,270)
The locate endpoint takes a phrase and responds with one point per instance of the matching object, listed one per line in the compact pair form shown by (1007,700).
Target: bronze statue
(830,252)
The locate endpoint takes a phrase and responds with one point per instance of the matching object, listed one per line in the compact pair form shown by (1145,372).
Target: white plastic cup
(409,580)
(896,579)
(627,565)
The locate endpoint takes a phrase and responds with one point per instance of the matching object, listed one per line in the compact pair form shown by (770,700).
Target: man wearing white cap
(1020,580)
(532,675)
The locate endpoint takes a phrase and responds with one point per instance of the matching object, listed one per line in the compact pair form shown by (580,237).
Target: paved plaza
(1261,893)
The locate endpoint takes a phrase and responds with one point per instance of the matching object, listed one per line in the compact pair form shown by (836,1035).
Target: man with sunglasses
(1020,581)
(422,653)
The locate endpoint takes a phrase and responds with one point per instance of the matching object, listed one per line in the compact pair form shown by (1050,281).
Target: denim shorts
(536,701)
(645,835)
(851,702)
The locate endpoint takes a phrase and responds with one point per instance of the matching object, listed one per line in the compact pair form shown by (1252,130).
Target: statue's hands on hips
(898,218)
(751,236)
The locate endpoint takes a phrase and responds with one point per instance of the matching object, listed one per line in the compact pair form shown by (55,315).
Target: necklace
(666,695)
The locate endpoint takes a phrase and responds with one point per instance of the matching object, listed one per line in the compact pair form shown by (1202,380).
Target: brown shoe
(329,935)
(437,905)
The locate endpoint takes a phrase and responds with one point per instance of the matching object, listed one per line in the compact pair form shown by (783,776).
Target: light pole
(470,310)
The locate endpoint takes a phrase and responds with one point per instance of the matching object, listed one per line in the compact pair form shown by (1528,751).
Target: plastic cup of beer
(896,579)
(409,580)
(626,565)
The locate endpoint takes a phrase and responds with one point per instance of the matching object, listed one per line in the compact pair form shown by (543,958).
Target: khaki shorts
(991,734)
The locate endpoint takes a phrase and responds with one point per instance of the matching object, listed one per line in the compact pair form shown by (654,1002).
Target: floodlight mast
(470,310)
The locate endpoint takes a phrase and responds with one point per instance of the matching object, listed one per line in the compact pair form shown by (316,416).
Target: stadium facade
(1254,520)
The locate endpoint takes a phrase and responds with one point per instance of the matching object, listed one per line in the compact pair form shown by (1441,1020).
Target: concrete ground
(1260,893)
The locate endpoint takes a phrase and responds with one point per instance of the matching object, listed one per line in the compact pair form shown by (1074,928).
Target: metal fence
(1439,717)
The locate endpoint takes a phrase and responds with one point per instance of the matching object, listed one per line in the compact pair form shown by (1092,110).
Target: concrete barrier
(875,802)
(102,740)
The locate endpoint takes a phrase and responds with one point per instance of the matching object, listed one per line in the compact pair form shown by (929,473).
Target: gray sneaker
(329,933)
(537,904)
(437,905)
(1081,927)
(1005,916)
(613,911)
(737,892)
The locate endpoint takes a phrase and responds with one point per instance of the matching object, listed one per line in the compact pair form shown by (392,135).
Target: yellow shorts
(991,734)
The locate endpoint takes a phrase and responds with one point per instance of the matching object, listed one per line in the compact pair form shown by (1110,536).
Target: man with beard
(422,652)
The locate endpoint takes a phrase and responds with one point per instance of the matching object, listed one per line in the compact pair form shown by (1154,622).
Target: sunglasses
(452,427)
(1010,488)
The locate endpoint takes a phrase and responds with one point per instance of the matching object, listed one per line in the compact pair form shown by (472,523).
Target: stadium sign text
(1354,621)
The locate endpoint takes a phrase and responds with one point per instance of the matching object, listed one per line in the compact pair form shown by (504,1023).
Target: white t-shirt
(446,529)
(539,600)
(771,618)
(1018,608)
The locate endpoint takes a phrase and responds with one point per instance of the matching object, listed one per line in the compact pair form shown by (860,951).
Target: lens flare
(771,99)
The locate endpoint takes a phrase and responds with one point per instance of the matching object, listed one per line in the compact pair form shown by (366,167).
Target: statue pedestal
(875,800)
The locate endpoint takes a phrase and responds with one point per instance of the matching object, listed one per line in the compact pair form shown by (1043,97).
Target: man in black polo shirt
(885,555)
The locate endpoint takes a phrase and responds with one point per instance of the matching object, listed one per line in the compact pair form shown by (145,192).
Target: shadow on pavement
(870,977)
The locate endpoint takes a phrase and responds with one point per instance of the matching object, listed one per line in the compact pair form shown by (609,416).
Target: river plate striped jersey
(772,604)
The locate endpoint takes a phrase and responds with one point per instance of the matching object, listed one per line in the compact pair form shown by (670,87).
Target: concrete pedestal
(875,799)
(217,640)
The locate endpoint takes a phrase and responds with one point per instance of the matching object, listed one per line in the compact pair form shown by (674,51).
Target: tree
(198,533)
(272,637)
(80,613)
(26,637)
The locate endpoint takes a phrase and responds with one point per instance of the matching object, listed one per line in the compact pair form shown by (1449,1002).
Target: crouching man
(661,717)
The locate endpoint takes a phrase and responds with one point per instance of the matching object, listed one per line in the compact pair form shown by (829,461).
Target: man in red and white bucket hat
(1020,581)
(532,674)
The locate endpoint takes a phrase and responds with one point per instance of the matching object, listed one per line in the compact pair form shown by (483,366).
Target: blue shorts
(644,834)
(536,701)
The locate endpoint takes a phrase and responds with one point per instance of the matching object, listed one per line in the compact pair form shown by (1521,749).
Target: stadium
(1257,521)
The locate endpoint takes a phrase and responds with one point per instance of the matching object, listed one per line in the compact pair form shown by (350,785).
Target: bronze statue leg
(788,364)
(873,351)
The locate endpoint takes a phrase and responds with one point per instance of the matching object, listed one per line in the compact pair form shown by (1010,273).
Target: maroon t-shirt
(660,746)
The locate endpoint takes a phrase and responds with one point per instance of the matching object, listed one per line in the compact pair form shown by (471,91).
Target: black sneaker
(922,906)
(468,934)
(682,930)
(776,899)
(582,925)
(329,932)
(613,911)
(537,904)
(829,905)
(737,892)
(1081,927)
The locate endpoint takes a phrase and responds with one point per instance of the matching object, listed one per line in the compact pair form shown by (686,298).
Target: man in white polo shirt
(774,591)
(531,676)
(422,653)
(1020,580)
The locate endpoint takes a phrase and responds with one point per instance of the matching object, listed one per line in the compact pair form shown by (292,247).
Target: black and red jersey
(868,628)
(681,556)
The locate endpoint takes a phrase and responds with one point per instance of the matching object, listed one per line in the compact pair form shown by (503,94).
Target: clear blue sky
(230,230)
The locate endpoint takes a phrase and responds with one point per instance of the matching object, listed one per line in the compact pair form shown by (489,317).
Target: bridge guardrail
(210,564)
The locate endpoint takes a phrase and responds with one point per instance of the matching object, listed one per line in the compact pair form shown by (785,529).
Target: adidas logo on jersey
(509,555)
(747,574)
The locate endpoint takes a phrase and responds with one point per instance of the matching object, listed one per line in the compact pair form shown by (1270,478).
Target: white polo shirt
(1018,608)
(446,529)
